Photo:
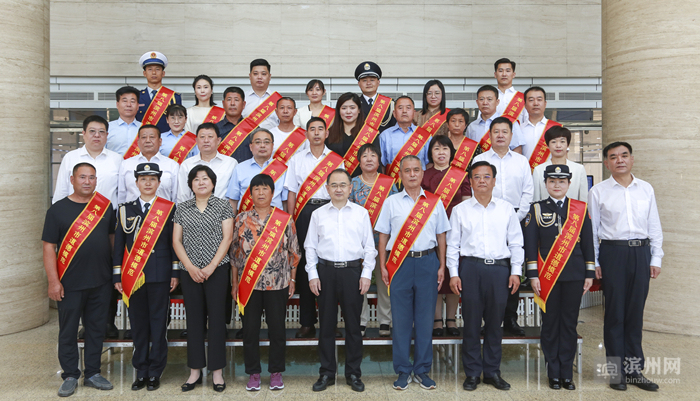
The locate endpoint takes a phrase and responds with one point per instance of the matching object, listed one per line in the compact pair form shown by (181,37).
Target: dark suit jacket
(145,101)
(160,265)
(581,264)
(388,121)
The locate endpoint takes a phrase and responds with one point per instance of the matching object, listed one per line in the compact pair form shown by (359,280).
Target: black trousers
(307,299)
(205,301)
(149,307)
(340,286)
(92,305)
(558,334)
(484,296)
(113,303)
(512,306)
(625,285)
(275,305)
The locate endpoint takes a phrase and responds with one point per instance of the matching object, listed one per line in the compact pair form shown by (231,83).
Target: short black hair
(234,89)
(83,164)
(458,111)
(503,61)
(127,89)
(258,62)
(368,147)
(535,88)
(176,110)
(252,134)
(262,180)
(314,119)
(95,119)
(147,126)
(557,132)
(443,140)
(615,145)
(405,97)
(287,98)
(196,169)
(339,171)
(481,163)
(208,126)
(501,120)
(487,88)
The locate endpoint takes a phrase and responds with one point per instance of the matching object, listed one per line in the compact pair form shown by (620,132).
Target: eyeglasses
(434,94)
(342,185)
(93,132)
(258,142)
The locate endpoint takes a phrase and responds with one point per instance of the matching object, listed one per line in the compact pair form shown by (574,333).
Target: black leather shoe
(190,386)
(363,331)
(568,384)
(112,331)
(471,382)
(138,384)
(183,334)
(306,332)
(127,335)
(440,331)
(642,382)
(498,382)
(554,383)
(355,383)
(219,388)
(513,327)
(239,334)
(323,382)
(618,386)
(452,332)
(153,383)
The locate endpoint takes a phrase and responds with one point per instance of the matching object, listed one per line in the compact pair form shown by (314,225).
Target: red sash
(465,153)
(234,138)
(315,180)
(183,147)
(328,115)
(449,185)
(541,151)
(377,195)
(290,145)
(260,255)
(215,115)
(275,170)
(550,269)
(410,231)
(144,242)
(152,115)
(435,122)
(369,131)
(412,147)
(512,112)
(81,228)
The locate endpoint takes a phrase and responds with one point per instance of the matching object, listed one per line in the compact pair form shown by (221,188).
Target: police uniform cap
(557,171)
(147,169)
(153,57)
(368,69)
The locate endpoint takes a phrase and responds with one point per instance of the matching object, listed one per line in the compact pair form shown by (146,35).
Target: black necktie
(153,93)
(146,206)
(370,101)
(560,204)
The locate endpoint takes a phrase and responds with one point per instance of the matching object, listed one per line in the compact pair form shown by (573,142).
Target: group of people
(227,203)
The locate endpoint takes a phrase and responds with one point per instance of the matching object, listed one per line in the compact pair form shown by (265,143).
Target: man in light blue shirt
(393,139)
(124,129)
(176,116)
(261,144)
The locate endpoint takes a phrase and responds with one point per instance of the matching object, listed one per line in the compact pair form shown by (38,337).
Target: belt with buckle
(420,254)
(314,201)
(628,243)
(340,265)
(498,262)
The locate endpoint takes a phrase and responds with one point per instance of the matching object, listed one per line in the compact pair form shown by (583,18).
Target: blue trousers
(413,296)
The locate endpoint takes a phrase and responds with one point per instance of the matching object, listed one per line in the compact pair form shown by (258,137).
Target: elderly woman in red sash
(560,264)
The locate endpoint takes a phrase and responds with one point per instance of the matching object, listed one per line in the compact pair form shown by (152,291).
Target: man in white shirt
(504,72)
(487,102)
(484,256)
(208,141)
(627,237)
(122,131)
(106,162)
(533,127)
(149,143)
(368,75)
(514,185)
(340,258)
(285,111)
(259,81)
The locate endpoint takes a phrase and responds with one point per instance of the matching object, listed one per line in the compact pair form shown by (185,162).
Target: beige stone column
(651,79)
(24,162)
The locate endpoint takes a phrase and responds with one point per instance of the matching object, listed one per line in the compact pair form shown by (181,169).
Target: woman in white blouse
(558,140)
(203,90)
(315,91)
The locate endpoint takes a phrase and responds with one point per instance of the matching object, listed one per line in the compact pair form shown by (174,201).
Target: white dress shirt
(340,235)
(531,135)
(300,166)
(280,136)
(505,98)
(619,213)
(121,135)
(128,190)
(221,165)
(107,165)
(394,213)
(252,100)
(479,127)
(513,179)
(143,203)
(578,189)
(491,232)
(195,117)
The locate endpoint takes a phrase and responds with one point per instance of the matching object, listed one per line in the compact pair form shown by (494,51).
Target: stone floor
(30,371)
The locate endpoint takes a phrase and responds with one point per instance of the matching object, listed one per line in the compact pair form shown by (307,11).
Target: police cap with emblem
(368,69)
(153,57)
(147,169)
(557,171)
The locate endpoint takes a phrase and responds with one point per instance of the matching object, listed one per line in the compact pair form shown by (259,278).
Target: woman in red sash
(346,126)
(203,90)
(315,91)
(441,154)
(433,103)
